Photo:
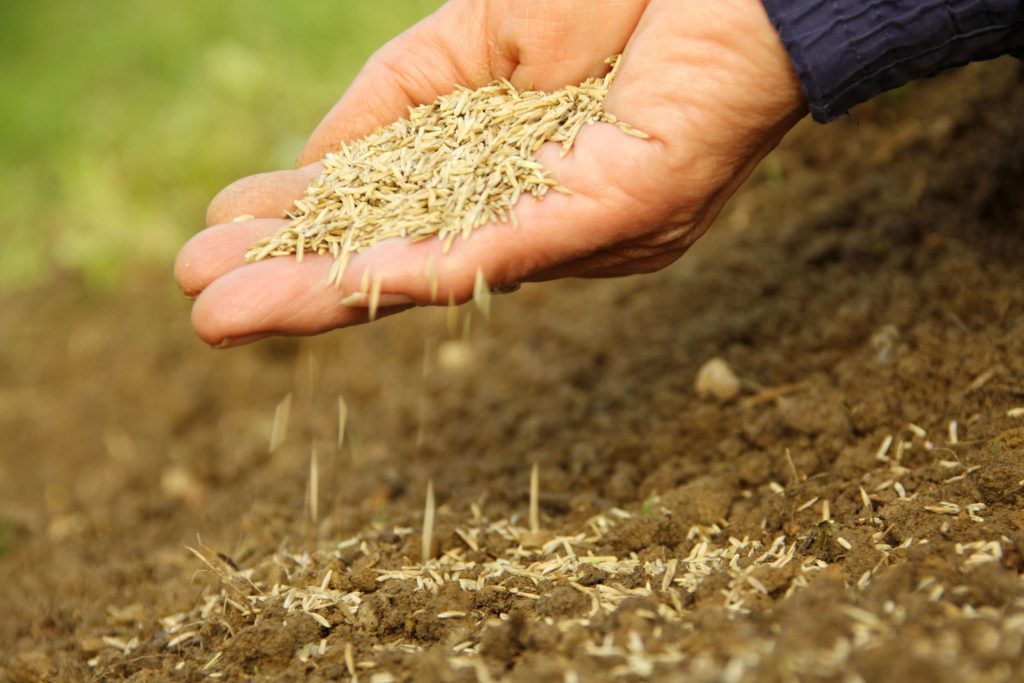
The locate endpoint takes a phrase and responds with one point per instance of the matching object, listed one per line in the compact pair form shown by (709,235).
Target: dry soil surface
(855,514)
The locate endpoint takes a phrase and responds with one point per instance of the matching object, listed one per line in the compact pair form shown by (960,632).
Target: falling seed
(421,421)
(314,487)
(535,498)
(342,420)
(917,430)
(279,427)
(1015,412)
(427,541)
(451,315)
(482,294)
(375,297)
(337,271)
(433,280)
(364,281)
(953,432)
(826,511)
(429,351)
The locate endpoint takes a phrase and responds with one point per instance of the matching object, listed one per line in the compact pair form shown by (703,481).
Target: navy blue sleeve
(847,51)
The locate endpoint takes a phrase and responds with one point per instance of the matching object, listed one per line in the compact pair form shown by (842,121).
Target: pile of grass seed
(451,167)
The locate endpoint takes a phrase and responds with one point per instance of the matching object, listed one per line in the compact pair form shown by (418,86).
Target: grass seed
(428,523)
(279,427)
(452,166)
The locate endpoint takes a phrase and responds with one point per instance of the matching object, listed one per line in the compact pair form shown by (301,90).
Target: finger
(276,296)
(233,342)
(264,195)
(218,250)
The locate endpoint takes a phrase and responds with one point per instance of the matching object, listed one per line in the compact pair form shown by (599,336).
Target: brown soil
(867,283)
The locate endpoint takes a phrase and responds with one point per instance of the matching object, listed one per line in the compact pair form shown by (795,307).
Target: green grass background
(120,119)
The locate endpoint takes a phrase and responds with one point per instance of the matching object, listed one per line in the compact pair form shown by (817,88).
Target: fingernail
(188,295)
(361,300)
(232,342)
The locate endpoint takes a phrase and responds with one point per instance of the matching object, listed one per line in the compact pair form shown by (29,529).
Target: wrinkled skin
(709,81)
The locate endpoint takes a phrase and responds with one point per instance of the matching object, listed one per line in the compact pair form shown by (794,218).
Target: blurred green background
(120,119)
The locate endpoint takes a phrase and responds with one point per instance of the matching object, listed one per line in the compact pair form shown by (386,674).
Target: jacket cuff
(847,51)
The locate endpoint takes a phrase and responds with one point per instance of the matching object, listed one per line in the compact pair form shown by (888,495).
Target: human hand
(710,83)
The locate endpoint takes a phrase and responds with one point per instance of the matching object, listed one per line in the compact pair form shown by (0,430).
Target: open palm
(709,82)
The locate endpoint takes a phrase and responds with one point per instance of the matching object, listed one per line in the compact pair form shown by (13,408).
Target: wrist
(776,96)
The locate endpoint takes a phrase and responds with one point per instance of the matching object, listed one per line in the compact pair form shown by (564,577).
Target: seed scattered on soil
(882,454)
(918,431)
(449,168)
(716,379)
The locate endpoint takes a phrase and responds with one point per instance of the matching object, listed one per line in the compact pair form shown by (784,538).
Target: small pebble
(715,379)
